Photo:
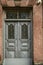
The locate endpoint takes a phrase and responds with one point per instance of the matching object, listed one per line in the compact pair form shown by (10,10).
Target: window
(18,15)
(24,31)
(11,15)
(11,31)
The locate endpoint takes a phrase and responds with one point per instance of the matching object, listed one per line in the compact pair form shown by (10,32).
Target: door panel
(18,43)
(10,40)
(24,39)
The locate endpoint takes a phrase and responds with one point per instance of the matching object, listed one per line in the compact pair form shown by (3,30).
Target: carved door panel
(24,39)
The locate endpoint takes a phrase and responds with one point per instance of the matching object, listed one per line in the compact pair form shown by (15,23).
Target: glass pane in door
(24,31)
(11,28)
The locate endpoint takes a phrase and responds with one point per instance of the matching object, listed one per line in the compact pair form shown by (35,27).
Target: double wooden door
(18,43)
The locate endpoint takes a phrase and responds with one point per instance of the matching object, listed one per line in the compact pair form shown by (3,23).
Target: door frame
(4,31)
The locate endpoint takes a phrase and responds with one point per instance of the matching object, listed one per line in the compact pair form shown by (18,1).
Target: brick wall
(37,27)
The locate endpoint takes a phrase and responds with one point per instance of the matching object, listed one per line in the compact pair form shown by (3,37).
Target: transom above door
(19,13)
